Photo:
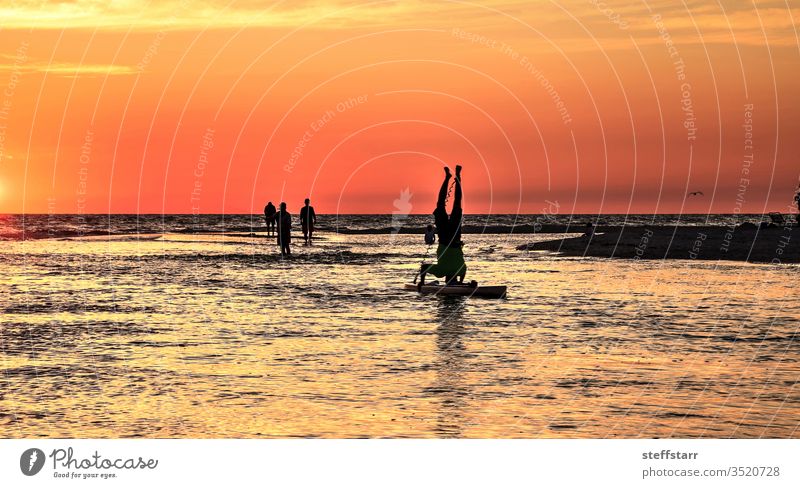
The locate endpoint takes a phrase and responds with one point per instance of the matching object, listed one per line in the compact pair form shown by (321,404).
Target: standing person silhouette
(269,217)
(449,254)
(284,223)
(307,220)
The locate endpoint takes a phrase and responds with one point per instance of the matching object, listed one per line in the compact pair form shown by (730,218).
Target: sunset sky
(216,107)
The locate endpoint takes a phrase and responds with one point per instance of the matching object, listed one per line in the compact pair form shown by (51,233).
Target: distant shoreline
(605,235)
(33,227)
(777,245)
(425,214)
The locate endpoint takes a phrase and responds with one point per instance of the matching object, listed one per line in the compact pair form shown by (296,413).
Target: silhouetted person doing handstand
(449,254)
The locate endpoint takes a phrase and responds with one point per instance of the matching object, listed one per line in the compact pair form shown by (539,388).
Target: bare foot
(458,171)
(447,171)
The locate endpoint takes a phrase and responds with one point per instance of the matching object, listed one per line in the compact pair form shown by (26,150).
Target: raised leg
(457,195)
(440,214)
(443,190)
(457,213)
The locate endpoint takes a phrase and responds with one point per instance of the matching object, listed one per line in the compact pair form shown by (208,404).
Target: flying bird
(696,193)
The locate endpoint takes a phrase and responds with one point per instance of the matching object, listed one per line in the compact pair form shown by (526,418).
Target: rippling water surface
(214,336)
(37,226)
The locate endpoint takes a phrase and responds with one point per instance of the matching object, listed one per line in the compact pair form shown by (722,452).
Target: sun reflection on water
(209,336)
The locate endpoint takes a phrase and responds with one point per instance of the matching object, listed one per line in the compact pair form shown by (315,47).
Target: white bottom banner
(373,463)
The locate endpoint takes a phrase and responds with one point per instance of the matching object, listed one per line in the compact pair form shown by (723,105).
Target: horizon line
(385,213)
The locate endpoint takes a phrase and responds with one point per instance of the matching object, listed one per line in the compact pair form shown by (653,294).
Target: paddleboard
(461,290)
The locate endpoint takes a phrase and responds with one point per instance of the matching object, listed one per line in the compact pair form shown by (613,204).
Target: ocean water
(199,334)
(43,226)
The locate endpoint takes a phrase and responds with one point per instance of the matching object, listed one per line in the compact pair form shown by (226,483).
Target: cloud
(617,24)
(718,21)
(185,14)
(70,69)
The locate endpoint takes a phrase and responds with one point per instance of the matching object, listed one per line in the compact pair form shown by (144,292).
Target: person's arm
(313,215)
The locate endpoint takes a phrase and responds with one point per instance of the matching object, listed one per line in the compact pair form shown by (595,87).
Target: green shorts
(450,262)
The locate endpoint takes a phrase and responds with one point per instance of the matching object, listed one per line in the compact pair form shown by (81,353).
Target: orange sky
(182,107)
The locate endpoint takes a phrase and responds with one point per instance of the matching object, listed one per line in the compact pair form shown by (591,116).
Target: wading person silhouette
(307,220)
(430,235)
(283,219)
(269,217)
(449,254)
